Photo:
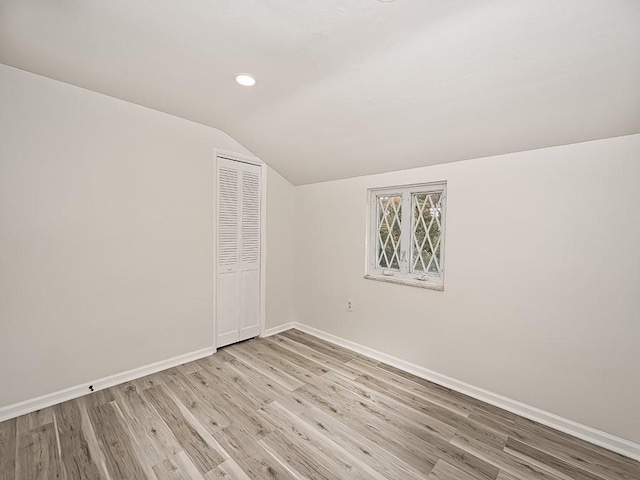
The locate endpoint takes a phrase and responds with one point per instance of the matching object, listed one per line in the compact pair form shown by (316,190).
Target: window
(406,235)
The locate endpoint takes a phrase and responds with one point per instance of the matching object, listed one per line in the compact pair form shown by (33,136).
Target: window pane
(389,230)
(427,229)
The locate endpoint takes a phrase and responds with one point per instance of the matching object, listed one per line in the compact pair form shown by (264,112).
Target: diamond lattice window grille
(405,240)
(389,231)
(427,233)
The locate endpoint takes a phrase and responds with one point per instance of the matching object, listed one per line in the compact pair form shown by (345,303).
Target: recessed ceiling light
(245,80)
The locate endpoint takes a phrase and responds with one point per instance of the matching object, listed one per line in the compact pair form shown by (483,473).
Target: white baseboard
(28,406)
(280,328)
(584,432)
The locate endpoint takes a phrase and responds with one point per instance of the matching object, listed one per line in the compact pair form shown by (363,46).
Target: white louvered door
(238,310)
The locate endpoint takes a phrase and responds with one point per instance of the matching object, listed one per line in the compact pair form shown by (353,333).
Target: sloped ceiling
(347,88)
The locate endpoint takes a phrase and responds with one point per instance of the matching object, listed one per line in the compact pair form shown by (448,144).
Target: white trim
(31,405)
(280,328)
(263,249)
(214,245)
(597,437)
(238,157)
(431,285)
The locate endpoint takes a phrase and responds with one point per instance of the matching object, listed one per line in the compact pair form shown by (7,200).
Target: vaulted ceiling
(351,87)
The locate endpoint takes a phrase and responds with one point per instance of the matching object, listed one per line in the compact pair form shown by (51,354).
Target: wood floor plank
(292,406)
(269,388)
(307,364)
(178,467)
(254,460)
(316,445)
(310,342)
(417,418)
(546,462)
(38,457)
(501,460)
(388,461)
(446,471)
(159,378)
(431,446)
(335,350)
(120,456)
(492,423)
(241,413)
(432,437)
(575,451)
(458,420)
(270,357)
(227,470)
(205,401)
(205,434)
(228,380)
(507,476)
(188,368)
(197,399)
(96,399)
(155,441)
(403,445)
(320,358)
(222,356)
(461,398)
(272,371)
(288,452)
(8,449)
(195,446)
(33,420)
(374,374)
(417,397)
(92,444)
(76,456)
(169,470)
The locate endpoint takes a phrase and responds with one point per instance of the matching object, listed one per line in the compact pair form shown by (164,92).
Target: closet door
(238,296)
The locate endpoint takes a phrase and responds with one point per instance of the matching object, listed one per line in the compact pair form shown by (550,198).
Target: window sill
(406,281)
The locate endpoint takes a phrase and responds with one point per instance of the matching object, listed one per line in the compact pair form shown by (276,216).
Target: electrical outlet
(349,305)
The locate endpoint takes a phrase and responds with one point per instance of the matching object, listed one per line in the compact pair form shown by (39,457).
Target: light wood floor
(291,406)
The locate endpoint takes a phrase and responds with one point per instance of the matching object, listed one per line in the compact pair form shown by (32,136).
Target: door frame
(240,157)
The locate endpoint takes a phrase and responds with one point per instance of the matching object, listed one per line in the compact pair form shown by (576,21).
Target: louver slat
(228,216)
(250,240)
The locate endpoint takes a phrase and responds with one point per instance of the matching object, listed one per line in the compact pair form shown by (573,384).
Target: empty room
(320,239)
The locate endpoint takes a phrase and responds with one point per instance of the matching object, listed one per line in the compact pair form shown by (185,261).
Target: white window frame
(404,275)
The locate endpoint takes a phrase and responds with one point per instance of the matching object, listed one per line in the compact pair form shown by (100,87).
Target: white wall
(106,232)
(280,250)
(541,298)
